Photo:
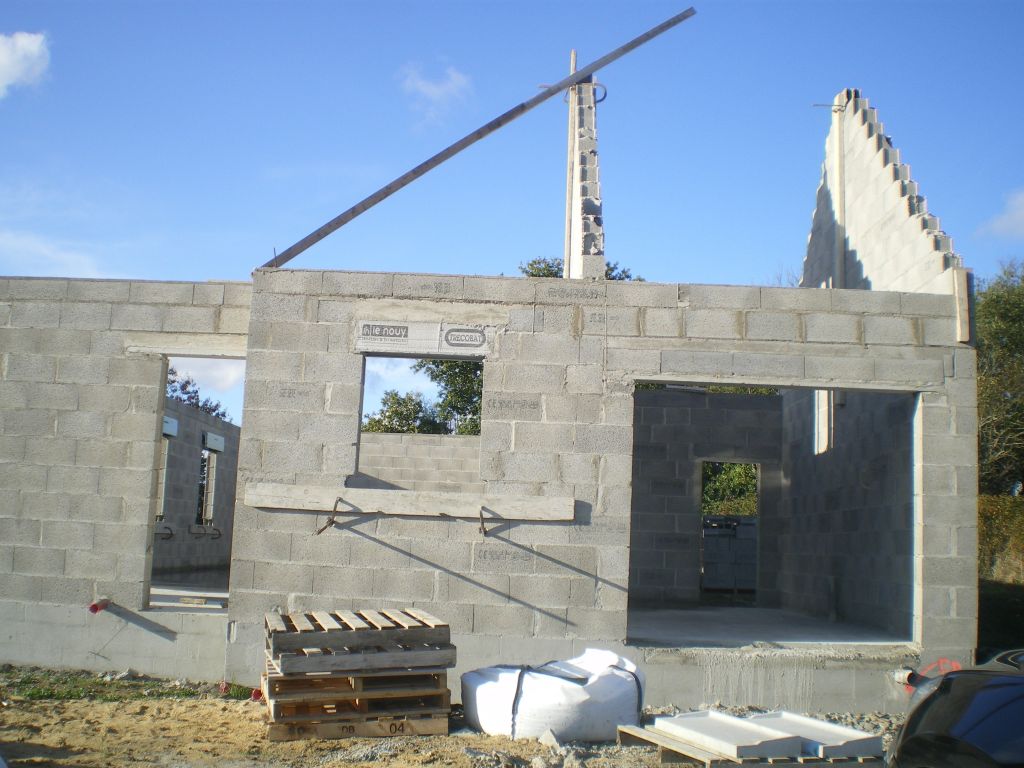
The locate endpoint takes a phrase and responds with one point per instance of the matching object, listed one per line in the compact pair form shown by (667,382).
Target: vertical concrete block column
(585,239)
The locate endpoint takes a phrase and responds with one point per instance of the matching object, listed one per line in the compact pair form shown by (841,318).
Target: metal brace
(483,528)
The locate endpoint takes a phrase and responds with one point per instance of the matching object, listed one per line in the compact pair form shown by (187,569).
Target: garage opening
(746,528)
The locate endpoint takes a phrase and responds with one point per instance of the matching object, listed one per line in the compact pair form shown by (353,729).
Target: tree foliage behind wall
(999,324)
(185,390)
(728,489)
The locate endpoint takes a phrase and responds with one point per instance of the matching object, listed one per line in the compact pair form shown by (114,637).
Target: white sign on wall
(422,338)
(170,427)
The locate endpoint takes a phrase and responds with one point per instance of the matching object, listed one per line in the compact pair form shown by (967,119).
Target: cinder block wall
(868,204)
(847,541)
(419,462)
(558,413)
(82,383)
(183,552)
(675,431)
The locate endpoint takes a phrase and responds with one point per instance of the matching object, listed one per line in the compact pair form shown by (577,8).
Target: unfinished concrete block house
(574,519)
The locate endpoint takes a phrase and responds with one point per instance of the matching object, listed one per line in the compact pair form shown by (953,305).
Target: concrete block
(768,366)
(443,554)
(125,482)
(719,297)
(846,369)
(160,293)
(83,370)
(534,591)
(373,284)
(12,448)
(237,294)
(210,294)
(502,620)
(939,332)
(542,437)
(634,361)
(478,588)
(844,329)
(297,337)
(561,291)
(661,322)
(928,304)
(548,348)
(288,281)
(404,585)
(796,299)
(596,624)
(500,290)
(281,308)
(35,315)
(889,330)
(138,317)
(534,379)
(577,468)
(449,287)
(84,425)
(642,294)
(37,288)
(83,564)
(604,439)
(115,291)
(522,467)
(867,302)
(233,320)
(40,423)
(284,577)
(622,321)
(696,362)
(86,316)
(772,326)
(33,368)
(949,571)
(372,552)
(76,480)
(584,379)
(713,324)
(14,395)
(559,408)
(566,560)
(909,371)
(38,561)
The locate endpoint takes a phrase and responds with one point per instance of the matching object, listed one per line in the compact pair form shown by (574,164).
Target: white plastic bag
(581,699)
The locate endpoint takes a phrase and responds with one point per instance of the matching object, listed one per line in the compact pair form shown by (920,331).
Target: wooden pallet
(282,686)
(673,750)
(338,698)
(422,725)
(353,630)
(366,660)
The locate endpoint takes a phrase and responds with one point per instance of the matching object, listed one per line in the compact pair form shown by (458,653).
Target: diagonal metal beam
(407,178)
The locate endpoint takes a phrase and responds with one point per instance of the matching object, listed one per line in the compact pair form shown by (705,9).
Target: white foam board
(728,735)
(821,738)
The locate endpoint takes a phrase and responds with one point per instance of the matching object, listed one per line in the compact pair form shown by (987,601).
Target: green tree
(552,267)
(461,386)
(999,324)
(728,489)
(405,413)
(185,390)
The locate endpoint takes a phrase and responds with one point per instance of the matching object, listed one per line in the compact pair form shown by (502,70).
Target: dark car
(970,718)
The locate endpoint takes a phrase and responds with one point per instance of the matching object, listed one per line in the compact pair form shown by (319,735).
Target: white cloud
(25,253)
(211,373)
(24,57)
(1009,223)
(384,373)
(433,98)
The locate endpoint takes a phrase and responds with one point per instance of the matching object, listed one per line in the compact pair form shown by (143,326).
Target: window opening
(207,487)
(161,478)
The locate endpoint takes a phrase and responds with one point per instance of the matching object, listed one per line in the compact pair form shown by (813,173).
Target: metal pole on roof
(504,119)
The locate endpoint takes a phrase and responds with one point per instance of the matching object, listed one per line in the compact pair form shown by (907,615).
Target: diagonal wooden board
(347,501)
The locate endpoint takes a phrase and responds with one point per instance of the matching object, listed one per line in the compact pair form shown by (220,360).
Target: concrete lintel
(803,383)
(187,344)
(410,503)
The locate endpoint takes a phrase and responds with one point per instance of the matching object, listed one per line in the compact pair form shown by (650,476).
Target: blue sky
(187,140)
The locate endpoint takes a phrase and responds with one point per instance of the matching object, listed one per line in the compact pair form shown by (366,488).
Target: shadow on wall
(819,263)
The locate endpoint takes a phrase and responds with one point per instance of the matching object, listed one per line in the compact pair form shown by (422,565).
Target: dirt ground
(84,720)
(202,732)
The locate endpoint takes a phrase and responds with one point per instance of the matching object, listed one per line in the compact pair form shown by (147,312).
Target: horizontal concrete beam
(410,503)
(187,344)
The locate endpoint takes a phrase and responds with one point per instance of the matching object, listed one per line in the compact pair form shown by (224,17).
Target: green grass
(36,684)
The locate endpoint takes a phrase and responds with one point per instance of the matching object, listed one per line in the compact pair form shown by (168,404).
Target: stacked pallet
(335,674)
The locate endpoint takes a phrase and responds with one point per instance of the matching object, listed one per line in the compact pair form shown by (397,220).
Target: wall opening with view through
(196,466)
(420,426)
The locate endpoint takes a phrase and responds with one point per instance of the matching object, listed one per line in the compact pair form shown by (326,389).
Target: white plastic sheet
(581,699)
